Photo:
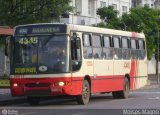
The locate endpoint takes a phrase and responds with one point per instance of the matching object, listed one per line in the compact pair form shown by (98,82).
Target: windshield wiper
(47,39)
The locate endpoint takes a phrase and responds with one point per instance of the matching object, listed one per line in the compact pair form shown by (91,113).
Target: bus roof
(91,29)
(106,31)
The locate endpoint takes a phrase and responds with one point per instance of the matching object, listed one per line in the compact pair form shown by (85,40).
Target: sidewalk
(7,99)
(152,82)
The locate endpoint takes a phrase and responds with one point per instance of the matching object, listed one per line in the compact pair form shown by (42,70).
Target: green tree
(15,12)
(144,19)
(109,17)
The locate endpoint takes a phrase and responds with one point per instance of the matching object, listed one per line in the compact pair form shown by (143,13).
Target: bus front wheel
(124,93)
(84,98)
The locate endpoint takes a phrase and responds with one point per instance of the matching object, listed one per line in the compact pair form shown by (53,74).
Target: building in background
(85,10)
(150,3)
(157,4)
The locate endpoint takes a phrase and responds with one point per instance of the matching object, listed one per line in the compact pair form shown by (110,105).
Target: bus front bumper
(40,86)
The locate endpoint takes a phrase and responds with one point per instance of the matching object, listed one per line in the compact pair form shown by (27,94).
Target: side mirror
(76,42)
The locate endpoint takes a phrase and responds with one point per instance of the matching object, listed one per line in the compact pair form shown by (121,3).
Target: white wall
(84,8)
(152,66)
(88,19)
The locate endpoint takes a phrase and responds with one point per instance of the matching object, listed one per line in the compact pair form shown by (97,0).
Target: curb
(151,84)
(13,101)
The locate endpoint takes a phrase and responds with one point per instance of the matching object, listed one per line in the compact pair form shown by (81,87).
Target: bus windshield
(40,54)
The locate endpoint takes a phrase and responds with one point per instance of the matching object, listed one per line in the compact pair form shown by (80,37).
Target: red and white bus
(66,59)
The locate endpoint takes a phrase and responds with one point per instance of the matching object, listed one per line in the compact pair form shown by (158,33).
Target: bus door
(87,64)
(76,63)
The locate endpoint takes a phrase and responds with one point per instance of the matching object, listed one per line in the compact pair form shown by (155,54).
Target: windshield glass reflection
(46,53)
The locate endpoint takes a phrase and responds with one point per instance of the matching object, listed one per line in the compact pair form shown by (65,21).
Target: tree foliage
(140,19)
(109,17)
(15,12)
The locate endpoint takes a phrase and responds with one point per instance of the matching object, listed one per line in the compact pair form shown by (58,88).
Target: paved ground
(6,98)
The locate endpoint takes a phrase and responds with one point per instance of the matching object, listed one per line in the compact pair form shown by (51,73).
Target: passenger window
(97,49)
(141,51)
(125,50)
(87,49)
(107,52)
(116,42)
(133,44)
(117,52)
(141,44)
(106,41)
(134,51)
(124,43)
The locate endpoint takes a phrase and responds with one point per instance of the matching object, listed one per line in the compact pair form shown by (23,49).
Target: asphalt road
(144,101)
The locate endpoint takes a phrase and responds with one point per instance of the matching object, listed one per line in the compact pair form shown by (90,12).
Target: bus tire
(86,93)
(33,100)
(124,93)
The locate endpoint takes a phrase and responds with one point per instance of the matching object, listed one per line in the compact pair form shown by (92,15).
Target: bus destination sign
(41,29)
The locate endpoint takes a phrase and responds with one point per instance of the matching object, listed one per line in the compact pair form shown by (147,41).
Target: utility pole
(158,57)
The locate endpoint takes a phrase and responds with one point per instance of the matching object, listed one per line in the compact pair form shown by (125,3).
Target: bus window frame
(135,43)
(140,50)
(143,42)
(96,56)
(90,56)
(127,49)
(117,52)
(110,48)
(124,37)
(110,41)
(119,39)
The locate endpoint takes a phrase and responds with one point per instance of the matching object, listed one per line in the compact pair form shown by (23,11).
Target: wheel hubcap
(85,92)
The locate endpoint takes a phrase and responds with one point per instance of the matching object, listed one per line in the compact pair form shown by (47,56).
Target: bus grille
(38,93)
(37,85)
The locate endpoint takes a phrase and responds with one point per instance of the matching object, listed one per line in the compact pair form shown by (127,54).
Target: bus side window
(107,49)
(134,53)
(87,49)
(141,51)
(117,52)
(97,48)
(125,48)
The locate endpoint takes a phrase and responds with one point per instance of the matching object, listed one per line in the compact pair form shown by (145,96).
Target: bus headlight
(15,85)
(61,83)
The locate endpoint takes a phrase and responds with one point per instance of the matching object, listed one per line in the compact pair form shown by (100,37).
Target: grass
(4,83)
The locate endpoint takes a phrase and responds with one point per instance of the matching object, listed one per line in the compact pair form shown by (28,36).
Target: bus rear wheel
(124,93)
(86,93)
(33,100)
